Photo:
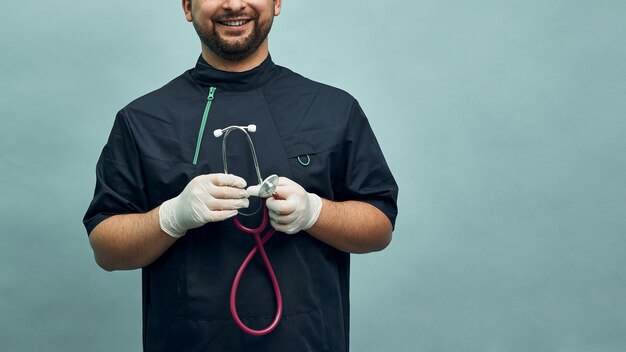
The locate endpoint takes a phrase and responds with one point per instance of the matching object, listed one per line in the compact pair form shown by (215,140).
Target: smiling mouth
(234,23)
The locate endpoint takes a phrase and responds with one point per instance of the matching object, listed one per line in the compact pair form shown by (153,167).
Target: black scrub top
(312,133)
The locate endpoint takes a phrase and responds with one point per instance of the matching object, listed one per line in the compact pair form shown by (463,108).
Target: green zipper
(207,108)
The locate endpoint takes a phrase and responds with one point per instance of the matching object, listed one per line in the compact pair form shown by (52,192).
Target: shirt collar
(235,81)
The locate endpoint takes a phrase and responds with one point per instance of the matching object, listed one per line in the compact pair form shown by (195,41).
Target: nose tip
(234,5)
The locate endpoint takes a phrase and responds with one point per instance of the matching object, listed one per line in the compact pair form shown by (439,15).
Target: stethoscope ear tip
(218,133)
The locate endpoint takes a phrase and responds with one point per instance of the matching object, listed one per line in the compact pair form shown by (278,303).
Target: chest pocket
(313,159)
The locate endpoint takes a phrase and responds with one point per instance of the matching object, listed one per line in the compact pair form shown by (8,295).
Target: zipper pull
(211,93)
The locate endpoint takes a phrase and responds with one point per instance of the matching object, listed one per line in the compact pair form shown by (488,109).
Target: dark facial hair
(239,50)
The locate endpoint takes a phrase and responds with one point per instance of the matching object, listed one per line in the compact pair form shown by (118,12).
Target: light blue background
(503,121)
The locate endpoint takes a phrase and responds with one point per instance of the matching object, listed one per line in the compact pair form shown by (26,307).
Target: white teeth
(234,23)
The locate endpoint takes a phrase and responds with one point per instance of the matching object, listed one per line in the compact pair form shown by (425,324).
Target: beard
(234,50)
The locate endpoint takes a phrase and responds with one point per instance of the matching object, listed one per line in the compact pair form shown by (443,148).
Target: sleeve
(364,175)
(119,178)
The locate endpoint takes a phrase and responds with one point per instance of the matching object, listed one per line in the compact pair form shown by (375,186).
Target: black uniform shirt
(312,133)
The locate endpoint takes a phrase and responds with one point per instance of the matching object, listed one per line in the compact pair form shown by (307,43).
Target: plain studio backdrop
(504,123)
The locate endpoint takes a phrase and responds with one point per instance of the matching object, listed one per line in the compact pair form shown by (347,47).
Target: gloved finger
(208,192)
(286,181)
(275,225)
(273,217)
(286,188)
(281,206)
(228,193)
(228,180)
(220,215)
(285,218)
(284,228)
(227,204)
(219,191)
(253,190)
(289,192)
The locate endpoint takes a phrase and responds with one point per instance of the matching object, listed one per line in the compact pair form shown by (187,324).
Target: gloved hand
(206,198)
(293,209)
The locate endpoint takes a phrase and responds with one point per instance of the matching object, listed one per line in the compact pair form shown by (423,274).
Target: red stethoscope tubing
(260,241)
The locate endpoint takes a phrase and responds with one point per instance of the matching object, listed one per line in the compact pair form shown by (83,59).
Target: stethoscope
(267,188)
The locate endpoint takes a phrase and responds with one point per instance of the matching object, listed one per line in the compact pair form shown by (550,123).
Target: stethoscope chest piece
(268,186)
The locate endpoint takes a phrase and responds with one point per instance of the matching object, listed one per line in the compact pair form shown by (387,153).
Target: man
(161,195)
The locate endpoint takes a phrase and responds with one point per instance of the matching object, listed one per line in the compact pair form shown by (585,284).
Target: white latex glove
(206,198)
(294,209)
